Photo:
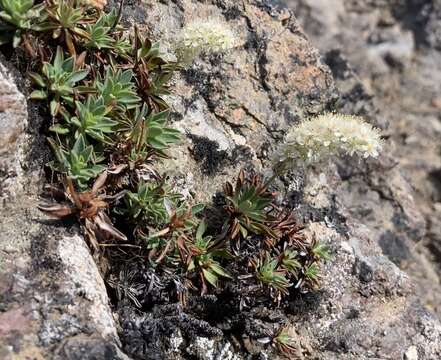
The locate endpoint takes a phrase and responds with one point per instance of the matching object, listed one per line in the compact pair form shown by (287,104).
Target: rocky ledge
(233,111)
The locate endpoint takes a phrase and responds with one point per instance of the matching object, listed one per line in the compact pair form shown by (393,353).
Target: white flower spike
(207,36)
(332,134)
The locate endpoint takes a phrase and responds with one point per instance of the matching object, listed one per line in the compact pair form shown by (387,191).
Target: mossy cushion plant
(105,96)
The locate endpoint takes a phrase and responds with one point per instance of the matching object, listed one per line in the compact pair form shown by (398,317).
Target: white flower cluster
(332,134)
(207,36)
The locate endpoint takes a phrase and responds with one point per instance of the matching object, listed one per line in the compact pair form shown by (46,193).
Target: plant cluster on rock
(106,94)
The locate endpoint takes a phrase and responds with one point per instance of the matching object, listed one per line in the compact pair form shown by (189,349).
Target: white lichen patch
(209,349)
(203,348)
(175,341)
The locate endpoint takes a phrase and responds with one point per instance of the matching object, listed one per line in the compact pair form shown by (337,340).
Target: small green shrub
(200,256)
(58,81)
(151,203)
(117,90)
(246,205)
(98,34)
(92,120)
(79,163)
(270,273)
(18,17)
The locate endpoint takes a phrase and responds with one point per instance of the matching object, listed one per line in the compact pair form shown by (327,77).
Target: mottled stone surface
(235,110)
(393,47)
(53,302)
(13,120)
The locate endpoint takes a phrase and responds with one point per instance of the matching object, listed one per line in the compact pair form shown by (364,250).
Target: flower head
(332,134)
(203,37)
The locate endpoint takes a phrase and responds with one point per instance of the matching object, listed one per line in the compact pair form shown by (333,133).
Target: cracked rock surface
(234,110)
(393,47)
(53,302)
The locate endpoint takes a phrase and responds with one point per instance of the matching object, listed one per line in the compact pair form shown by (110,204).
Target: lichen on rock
(234,114)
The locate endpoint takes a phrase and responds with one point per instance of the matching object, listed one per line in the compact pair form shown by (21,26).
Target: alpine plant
(331,134)
(203,37)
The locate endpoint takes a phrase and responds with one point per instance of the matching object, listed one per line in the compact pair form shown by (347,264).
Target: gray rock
(405,96)
(13,121)
(53,300)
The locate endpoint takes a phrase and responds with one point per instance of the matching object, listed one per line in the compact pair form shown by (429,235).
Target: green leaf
(54,106)
(59,59)
(80,145)
(201,229)
(197,209)
(219,270)
(78,76)
(59,129)
(38,95)
(210,277)
(37,79)
(243,231)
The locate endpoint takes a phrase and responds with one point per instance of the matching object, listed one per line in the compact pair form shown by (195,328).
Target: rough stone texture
(241,105)
(13,120)
(235,109)
(393,47)
(53,302)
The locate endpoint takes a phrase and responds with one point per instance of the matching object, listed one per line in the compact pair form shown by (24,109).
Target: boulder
(234,111)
